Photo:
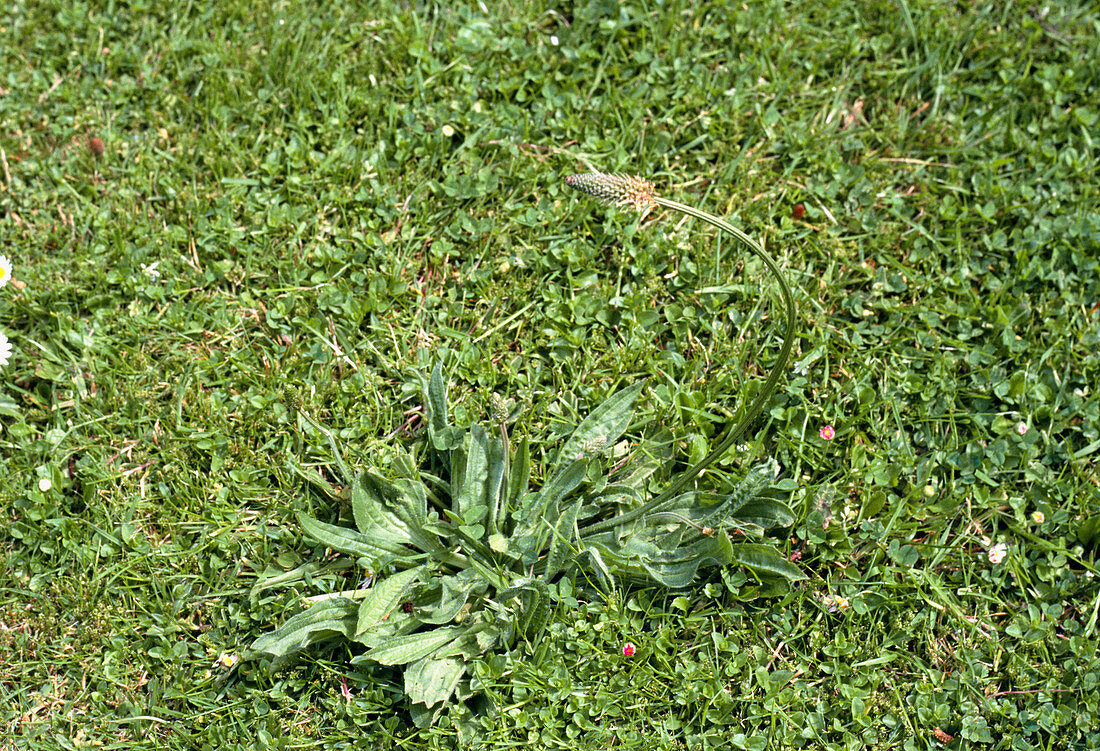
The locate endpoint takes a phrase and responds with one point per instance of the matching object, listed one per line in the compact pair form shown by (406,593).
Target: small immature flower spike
(292,398)
(498,408)
(593,447)
(615,190)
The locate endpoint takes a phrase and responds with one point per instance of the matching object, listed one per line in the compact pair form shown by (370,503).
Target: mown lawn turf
(216,209)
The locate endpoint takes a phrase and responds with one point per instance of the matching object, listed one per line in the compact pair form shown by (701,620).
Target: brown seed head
(96,146)
(615,190)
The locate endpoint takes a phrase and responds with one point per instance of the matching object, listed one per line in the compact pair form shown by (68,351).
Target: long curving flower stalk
(640,194)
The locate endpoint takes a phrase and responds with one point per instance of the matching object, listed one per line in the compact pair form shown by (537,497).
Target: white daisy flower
(5,345)
(227,660)
(998,552)
(5,270)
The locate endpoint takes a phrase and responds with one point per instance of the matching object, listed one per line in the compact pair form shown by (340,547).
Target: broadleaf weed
(472,553)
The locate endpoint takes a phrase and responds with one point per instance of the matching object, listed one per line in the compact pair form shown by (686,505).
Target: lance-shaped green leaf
(765,513)
(765,559)
(539,511)
(542,506)
(614,496)
(347,540)
(682,522)
(605,552)
(383,597)
(442,434)
(562,536)
(534,610)
(454,591)
(325,620)
(603,426)
(398,624)
(274,577)
(488,637)
(638,472)
(592,553)
(495,485)
(620,494)
(473,477)
(677,568)
(469,645)
(370,507)
(753,516)
(747,490)
(431,680)
(407,508)
(638,558)
(560,486)
(519,475)
(411,647)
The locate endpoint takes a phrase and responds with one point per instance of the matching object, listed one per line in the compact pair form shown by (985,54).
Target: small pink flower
(828,433)
(628,649)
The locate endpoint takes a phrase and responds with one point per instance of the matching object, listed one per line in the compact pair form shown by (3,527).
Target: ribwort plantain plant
(470,555)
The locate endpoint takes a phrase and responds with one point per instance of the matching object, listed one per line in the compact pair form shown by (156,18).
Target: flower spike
(615,190)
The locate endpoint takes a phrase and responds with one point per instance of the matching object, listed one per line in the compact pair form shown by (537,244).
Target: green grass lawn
(316,202)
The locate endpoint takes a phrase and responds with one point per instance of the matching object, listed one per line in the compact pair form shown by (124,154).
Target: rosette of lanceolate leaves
(467,548)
